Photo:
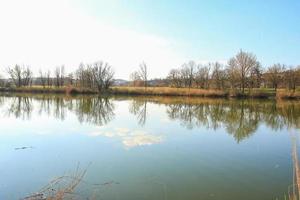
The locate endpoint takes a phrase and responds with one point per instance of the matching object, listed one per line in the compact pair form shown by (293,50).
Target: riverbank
(49,90)
(261,93)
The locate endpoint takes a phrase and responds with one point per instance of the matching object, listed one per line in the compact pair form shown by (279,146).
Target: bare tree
(43,78)
(291,77)
(174,78)
(84,76)
(108,77)
(233,74)
(189,68)
(70,78)
(218,75)
(275,74)
(21,76)
(49,81)
(62,75)
(243,63)
(57,76)
(15,74)
(135,78)
(27,76)
(103,75)
(202,76)
(1,81)
(143,72)
(256,76)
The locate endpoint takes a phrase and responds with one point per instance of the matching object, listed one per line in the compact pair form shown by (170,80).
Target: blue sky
(163,33)
(213,30)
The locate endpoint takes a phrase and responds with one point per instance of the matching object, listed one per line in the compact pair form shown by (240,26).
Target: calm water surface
(148,147)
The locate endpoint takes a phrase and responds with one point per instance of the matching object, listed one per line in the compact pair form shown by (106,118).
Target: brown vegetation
(168,91)
(212,93)
(51,90)
(61,188)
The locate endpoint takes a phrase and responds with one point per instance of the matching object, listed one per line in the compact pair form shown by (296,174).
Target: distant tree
(84,76)
(243,63)
(49,80)
(190,68)
(143,73)
(187,74)
(62,75)
(1,81)
(21,76)
(218,75)
(291,77)
(256,76)
(43,78)
(233,74)
(57,76)
(135,78)
(274,75)
(174,78)
(70,78)
(103,75)
(27,76)
(15,74)
(202,76)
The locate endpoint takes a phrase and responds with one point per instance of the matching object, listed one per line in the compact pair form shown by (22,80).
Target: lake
(144,148)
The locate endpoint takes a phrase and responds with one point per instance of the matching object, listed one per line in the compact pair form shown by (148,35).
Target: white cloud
(45,34)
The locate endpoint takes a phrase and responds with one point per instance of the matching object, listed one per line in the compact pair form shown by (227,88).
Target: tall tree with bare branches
(275,74)
(143,72)
(43,78)
(103,75)
(21,76)
(243,63)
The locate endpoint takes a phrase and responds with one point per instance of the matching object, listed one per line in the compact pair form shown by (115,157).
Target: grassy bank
(163,91)
(49,90)
(168,91)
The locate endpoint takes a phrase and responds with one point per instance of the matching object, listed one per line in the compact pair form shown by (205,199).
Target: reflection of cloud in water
(141,139)
(130,138)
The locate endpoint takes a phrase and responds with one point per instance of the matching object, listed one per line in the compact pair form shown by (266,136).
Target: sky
(162,33)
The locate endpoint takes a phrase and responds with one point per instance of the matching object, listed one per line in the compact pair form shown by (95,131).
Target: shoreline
(281,94)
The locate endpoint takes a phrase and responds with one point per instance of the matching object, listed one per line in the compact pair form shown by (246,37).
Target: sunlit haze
(47,34)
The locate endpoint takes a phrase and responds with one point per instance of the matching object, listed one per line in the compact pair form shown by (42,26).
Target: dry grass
(287,94)
(294,189)
(193,92)
(168,91)
(61,188)
(164,91)
(51,90)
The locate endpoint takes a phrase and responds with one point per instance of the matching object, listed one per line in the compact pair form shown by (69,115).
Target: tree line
(98,75)
(242,72)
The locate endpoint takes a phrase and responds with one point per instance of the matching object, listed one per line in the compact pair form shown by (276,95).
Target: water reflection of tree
(138,107)
(59,108)
(1,101)
(95,110)
(241,121)
(21,107)
(240,118)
